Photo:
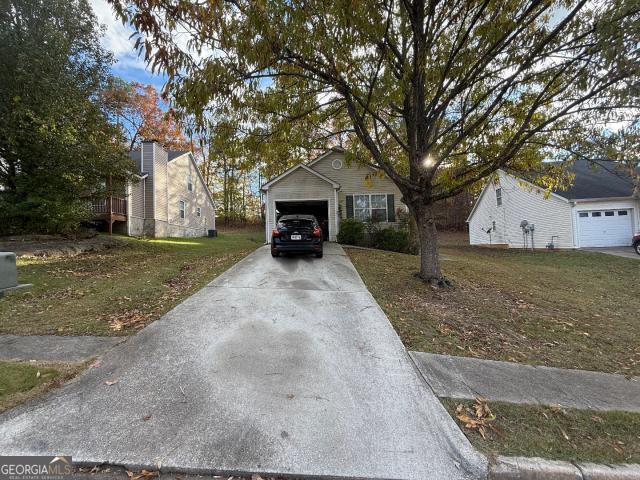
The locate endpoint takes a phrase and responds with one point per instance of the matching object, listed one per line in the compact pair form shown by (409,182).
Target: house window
(584,214)
(609,214)
(370,207)
(622,212)
(181,207)
(190,183)
(198,212)
(596,214)
(499,197)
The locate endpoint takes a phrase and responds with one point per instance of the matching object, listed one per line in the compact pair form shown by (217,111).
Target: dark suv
(297,233)
(636,243)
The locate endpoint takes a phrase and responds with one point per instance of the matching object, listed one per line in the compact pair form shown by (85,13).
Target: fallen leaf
(146,417)
(145,474)
(110,382)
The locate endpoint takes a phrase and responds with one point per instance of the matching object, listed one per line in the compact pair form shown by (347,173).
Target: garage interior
(317,208)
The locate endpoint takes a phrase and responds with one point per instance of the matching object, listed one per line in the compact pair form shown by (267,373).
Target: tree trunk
(428,235)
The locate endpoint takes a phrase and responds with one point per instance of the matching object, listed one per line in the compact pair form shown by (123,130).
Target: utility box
(9,273)
(8,270)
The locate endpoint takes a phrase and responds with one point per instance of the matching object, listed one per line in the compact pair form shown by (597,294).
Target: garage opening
(317,208)
(605,228)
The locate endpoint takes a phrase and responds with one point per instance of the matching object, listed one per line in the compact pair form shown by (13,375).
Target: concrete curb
(524,468)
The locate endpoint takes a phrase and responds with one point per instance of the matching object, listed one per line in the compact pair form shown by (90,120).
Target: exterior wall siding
(160,174)
(180,169)
(147,167)
(301,185)
(356,179)
(136,198)
(550,215)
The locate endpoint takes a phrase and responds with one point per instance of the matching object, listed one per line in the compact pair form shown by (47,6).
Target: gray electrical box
(8,270)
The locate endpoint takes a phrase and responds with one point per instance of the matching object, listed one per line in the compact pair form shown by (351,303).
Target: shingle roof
(173,154)
(597,181)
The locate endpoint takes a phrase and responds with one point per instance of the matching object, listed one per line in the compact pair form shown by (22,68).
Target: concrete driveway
(625,252)
(281,365)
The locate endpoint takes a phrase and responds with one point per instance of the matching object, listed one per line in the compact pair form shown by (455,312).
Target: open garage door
(317,208)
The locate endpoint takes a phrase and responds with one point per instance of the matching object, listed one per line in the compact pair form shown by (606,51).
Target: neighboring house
(168,199)
(599,210)
(332,190)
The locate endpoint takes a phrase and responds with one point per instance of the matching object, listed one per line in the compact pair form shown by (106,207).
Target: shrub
(351,232)
(392,240)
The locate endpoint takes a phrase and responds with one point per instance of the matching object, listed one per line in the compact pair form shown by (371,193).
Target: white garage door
(605,228)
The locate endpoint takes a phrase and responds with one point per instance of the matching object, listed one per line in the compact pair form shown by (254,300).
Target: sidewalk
(462,377)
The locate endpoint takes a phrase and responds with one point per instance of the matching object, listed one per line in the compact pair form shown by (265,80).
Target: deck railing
(110,205)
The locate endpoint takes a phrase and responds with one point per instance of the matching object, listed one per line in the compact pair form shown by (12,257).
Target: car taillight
(317,232)
(275,232)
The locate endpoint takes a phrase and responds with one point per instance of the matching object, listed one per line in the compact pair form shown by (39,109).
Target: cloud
(116,39)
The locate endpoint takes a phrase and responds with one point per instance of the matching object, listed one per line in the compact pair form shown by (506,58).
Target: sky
(128,65)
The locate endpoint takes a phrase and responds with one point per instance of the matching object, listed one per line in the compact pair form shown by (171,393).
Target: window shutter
(349,206)
(391,208)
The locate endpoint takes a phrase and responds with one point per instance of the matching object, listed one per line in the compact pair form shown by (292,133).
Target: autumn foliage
(138,110)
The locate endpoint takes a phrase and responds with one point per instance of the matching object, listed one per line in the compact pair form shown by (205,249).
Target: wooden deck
(111,209)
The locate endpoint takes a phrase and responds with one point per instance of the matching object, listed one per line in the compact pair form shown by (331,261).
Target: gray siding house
(168,199)
(332,190)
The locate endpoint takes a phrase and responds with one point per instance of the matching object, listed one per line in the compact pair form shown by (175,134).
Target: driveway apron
(280,365)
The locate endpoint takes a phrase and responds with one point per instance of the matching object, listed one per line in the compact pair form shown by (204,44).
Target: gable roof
(293,169)
(326,154)
(597,180)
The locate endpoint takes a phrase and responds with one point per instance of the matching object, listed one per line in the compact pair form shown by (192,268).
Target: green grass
(117,291)
(570,309)
(20,381)
(555,433)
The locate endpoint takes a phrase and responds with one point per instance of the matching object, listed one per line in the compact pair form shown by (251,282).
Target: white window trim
(182,209)
(198,212)
(499,199)
(386,205)
(189,183)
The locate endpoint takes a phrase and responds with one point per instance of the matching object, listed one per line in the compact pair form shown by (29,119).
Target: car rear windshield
(295,223)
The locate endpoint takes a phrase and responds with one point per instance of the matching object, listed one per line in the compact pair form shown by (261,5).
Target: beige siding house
(169,198)
(332,190)
(598,210)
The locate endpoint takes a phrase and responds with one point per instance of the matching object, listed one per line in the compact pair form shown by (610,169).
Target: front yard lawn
(21,381)
(571,309)
(555,433)
(117,291)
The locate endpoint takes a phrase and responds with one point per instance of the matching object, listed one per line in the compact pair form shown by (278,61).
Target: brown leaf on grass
(478,417)
(128,318)
(111,382)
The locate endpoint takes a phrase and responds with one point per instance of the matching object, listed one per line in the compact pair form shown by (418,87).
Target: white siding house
(599,210)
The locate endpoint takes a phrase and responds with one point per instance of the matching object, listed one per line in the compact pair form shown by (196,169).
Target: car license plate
(296,237)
